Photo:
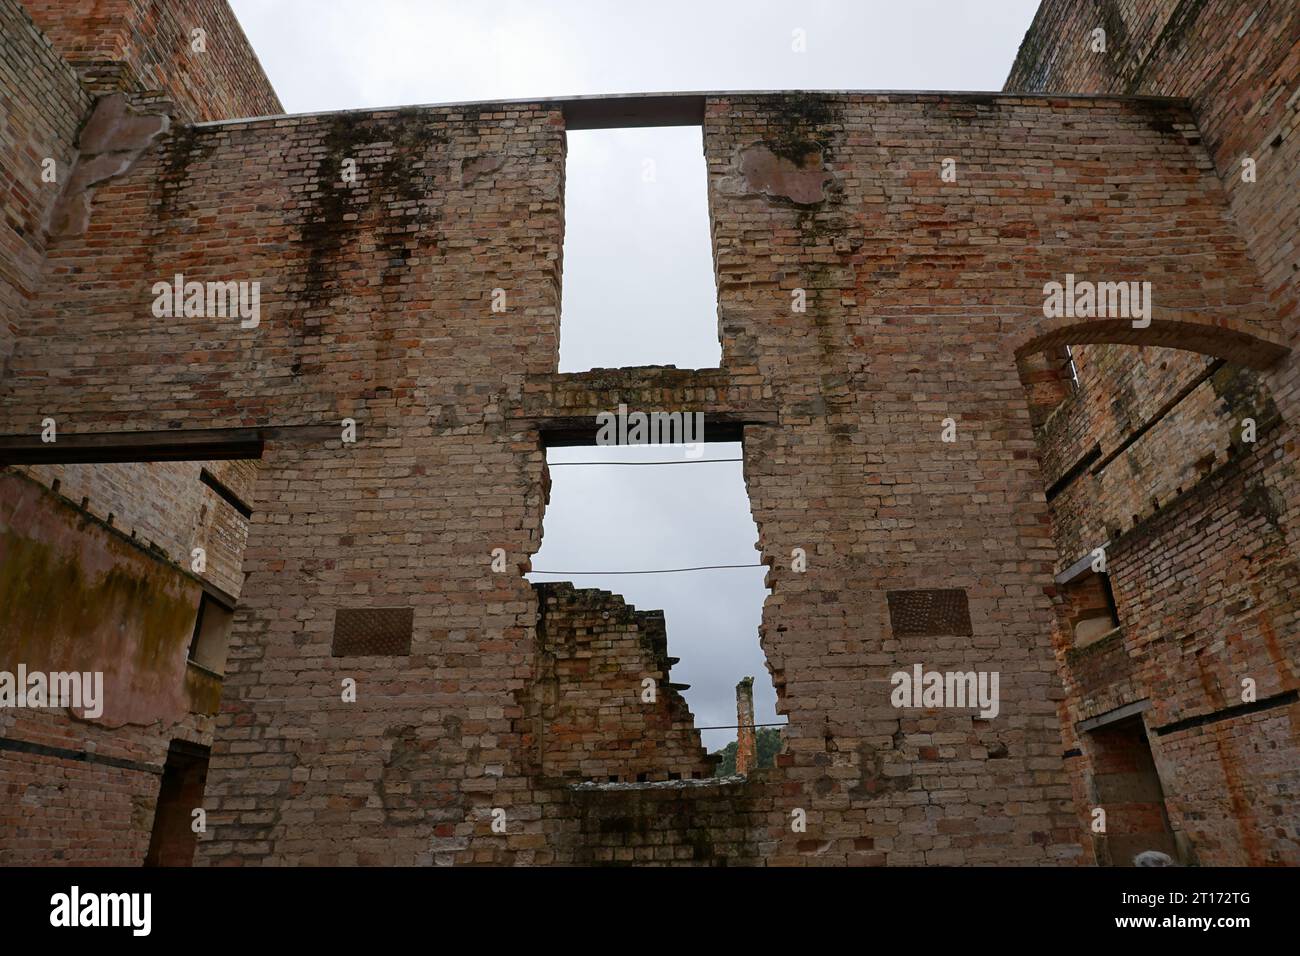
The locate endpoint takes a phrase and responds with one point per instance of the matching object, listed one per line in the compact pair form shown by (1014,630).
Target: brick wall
(1237,63)
(376,300)
(377,306)
(140,46)
(43,107)
(165,508)
(594,722)
(93,569)
(1147,455)
(1191,580)
(80,596)
(1209,595)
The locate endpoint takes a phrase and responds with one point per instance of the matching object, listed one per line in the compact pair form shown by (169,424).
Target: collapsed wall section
(380,667)
(597,718)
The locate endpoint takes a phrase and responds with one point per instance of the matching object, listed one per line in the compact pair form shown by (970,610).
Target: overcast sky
(638,284)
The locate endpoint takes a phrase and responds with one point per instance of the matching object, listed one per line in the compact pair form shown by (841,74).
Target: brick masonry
(1202,524)
(44,106)
(924,317)
(117,537)
(71,587)
(595,718)
(148,46)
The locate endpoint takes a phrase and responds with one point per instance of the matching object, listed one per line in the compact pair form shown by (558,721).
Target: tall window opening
(638,263)
(651,594)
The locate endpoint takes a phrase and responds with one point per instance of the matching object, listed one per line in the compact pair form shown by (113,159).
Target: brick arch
(1251,347)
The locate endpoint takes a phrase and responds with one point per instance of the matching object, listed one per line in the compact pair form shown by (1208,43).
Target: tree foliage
(768,744)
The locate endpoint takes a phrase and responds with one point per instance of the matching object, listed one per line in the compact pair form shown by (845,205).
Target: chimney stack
(746,749)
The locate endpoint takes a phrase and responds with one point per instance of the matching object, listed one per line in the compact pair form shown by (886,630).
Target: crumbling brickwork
(79,596)
(149,47)
(596,718)
(1186,466)
(879,321)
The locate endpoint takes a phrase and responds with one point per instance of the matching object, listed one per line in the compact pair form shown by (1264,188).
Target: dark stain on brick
(872,781)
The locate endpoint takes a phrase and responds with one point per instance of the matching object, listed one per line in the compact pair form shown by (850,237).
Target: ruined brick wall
(1237,63)
(376,305)
(1208,590)
(593,721)
(43,107)
(900,267)
(79,596)
(146,46)
(162,504)
(1138,455)
(324,349)
(410,514)
(1209,594)
(166,509)
(96,571)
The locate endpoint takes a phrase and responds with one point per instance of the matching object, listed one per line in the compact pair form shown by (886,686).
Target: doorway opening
(1128,788)
(185,774)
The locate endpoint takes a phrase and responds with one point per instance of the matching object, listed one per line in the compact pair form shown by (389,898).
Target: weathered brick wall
(79,596)
(1238,64)
(1239,806)
(376,305)
(165,508)
(139,46)
(1209,595)
(900,266)
(1209,590)
(451,205)
(1206,589)
(689,823)
(324,348)
(1148,455)
(162,504)
(43,106)
(593,720)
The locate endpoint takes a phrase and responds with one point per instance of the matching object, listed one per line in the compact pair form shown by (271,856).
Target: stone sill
(216,675)
(1097,645)
(714,783)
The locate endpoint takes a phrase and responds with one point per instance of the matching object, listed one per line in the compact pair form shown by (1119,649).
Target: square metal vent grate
(929,613)
(372,631)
